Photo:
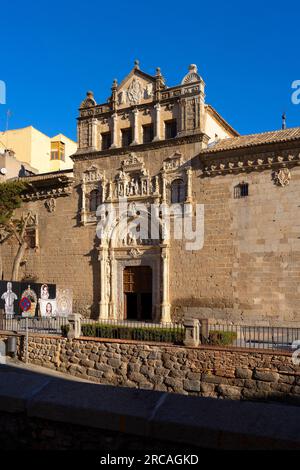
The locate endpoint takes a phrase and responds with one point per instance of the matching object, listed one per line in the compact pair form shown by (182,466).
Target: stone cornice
(237,163)
(103,111)
(47,186)
(85,154)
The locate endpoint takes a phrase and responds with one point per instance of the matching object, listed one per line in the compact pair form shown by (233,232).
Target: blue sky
(53,52)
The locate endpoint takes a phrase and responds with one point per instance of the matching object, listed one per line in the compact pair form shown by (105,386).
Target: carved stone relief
(282,177)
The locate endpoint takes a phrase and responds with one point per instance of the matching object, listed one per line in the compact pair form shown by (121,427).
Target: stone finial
(113,100)
(137,64)
(159,83)
(192,75)
(89,101)
(193,68)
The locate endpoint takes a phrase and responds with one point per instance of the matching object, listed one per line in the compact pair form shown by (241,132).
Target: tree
(10,200)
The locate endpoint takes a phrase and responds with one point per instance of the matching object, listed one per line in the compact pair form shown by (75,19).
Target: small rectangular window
(241,190)
(148,133)
(170,129)
(126,137)
(57,151)
(105,140)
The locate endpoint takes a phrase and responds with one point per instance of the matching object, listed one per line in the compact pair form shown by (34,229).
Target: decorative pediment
(136,88)
(93,174)
(133,163)
(173,162)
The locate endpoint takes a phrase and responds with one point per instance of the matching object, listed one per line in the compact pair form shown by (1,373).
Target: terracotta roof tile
(251,140)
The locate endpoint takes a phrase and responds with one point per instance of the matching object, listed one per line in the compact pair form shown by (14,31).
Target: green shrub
(221,338)
(65,330)
(102,330)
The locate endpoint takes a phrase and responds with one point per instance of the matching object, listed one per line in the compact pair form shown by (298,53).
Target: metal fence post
(26,340)
(204,330)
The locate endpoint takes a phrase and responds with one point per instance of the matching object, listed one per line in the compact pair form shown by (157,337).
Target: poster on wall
(48,308)
(11,293)
(64,299)
(30,295)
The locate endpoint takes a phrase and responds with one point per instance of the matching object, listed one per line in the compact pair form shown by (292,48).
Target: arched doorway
(137,283)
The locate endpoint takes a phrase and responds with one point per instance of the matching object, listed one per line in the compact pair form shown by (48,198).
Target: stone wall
(248,270)
(207,372)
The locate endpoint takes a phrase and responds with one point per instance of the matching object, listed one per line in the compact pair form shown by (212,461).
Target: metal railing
(260,337)
(134,330)
(41,325)
(230,335)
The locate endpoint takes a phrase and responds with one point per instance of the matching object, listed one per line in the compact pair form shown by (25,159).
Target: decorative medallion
(282,177)
(64,301)
(135,252)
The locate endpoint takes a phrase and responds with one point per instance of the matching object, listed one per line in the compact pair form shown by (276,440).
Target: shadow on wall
(181,306)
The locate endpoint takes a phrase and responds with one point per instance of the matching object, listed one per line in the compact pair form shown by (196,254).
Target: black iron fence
(261,337)
(242,336)
(134,330)
(41,325)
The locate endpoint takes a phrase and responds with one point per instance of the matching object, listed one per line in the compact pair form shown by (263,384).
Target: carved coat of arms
(282,177)
(134,92)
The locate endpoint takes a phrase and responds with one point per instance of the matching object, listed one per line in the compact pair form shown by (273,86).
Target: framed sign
(47,308)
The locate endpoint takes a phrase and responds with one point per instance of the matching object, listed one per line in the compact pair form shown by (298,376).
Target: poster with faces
(47,308)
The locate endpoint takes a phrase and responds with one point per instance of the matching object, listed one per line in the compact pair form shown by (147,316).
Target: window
(241,190)
(126,137)
(170,129)
(177,191)
(105,140)
(148,133)
(58,151)
(30,237)
(94,200)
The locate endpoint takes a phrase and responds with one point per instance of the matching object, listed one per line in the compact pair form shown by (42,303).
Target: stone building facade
(156,145)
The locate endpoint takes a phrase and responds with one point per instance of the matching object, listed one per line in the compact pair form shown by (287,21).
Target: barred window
(241,190)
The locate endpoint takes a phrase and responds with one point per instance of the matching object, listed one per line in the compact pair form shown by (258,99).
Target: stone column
(189,197)
(135,127)
(112,296)
(83,203)
(157,135)
(103,258)
(164,189)
(94,134)
(165,306)
(114,131)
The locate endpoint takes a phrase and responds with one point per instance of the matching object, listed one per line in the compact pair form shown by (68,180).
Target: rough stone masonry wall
(223,373)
